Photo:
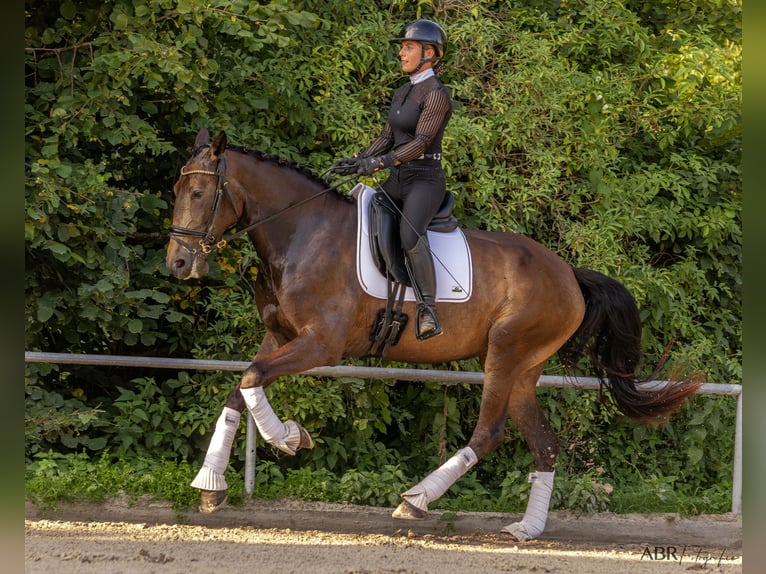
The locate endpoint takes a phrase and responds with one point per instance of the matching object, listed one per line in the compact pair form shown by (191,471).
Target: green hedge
(608,130)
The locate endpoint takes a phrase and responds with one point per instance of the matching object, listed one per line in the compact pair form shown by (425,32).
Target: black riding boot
(420,266)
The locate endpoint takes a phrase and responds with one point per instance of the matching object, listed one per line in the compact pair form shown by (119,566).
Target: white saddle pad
(451,254)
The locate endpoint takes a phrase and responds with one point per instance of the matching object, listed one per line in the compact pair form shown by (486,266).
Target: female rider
(410,144)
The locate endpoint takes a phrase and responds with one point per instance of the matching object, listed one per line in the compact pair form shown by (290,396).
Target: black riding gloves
(345,166)
(369,165)
(362,165)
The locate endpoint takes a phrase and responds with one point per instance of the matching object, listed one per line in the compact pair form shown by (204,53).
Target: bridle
(207,244)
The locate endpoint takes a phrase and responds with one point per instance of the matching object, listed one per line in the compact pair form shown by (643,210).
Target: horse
(527,304)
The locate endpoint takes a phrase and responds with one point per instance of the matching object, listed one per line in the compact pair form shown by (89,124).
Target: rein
(208,243)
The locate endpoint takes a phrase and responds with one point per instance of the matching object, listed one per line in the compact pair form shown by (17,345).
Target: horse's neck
(298,215)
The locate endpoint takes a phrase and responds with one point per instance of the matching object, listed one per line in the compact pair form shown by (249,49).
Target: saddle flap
(452,257)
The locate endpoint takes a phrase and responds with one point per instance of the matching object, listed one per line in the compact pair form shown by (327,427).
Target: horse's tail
(610,336)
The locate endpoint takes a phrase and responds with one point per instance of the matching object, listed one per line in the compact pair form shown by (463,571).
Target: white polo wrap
(433,486)
(536,515)
(211,475)
(285,436)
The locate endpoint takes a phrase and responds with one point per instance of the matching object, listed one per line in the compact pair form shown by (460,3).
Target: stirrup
(432,328)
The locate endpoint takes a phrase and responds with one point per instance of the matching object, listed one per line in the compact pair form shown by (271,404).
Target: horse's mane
(303,169)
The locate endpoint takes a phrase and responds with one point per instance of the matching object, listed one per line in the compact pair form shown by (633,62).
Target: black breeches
(419,192)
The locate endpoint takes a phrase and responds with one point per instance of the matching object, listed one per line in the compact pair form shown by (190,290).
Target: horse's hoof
(408,511)
(519,531)
(306,440)
(297,438)
(211,500)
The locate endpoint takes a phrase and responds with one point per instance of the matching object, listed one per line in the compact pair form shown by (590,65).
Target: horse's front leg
(287,436)
(210,479)
(300,354)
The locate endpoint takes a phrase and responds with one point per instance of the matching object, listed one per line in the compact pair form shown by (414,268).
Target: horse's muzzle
(185,265)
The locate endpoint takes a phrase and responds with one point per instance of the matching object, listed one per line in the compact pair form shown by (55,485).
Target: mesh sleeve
(382,144)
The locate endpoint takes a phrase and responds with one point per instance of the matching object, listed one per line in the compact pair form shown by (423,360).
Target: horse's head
(203,208)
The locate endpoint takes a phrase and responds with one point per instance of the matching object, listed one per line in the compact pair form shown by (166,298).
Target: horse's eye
(196,194)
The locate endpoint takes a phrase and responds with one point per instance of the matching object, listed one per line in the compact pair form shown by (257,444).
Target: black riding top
(416,121)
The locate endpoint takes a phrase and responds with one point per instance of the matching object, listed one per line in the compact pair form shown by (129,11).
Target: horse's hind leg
(487,435)
(414,505)
(526,413)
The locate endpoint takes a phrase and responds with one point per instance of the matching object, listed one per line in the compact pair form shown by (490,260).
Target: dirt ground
(314,538)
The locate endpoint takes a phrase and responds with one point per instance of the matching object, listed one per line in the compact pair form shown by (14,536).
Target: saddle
(385,244)
(388,256)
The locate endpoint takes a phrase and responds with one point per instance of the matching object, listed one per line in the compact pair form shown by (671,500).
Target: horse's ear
(203,138)
(218,146)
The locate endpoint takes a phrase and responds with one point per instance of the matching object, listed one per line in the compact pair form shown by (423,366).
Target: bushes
(610,131)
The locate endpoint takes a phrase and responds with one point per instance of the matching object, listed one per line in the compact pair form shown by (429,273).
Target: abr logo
(660,553)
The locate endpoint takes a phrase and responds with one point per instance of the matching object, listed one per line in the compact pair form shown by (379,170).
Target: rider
(410,144)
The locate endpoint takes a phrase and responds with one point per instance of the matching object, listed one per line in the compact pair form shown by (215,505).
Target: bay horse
(526,305)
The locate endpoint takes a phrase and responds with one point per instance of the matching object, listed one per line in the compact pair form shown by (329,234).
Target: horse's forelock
(195,151)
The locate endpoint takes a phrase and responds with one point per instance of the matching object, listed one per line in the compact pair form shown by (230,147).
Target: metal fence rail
(419,375)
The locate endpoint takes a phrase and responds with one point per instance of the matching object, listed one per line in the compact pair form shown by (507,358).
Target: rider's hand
(369,165)
(345,166)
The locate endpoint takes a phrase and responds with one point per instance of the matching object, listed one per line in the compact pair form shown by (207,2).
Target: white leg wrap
(285,436)
(211,475)
(436,484)
(208,479)
(533,523)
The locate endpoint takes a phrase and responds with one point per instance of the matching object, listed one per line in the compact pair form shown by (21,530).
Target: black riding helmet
(428,33)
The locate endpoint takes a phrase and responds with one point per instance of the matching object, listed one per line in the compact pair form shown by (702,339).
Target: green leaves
(609,131)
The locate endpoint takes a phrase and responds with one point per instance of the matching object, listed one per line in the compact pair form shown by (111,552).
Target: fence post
(736,488)
(250,456)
